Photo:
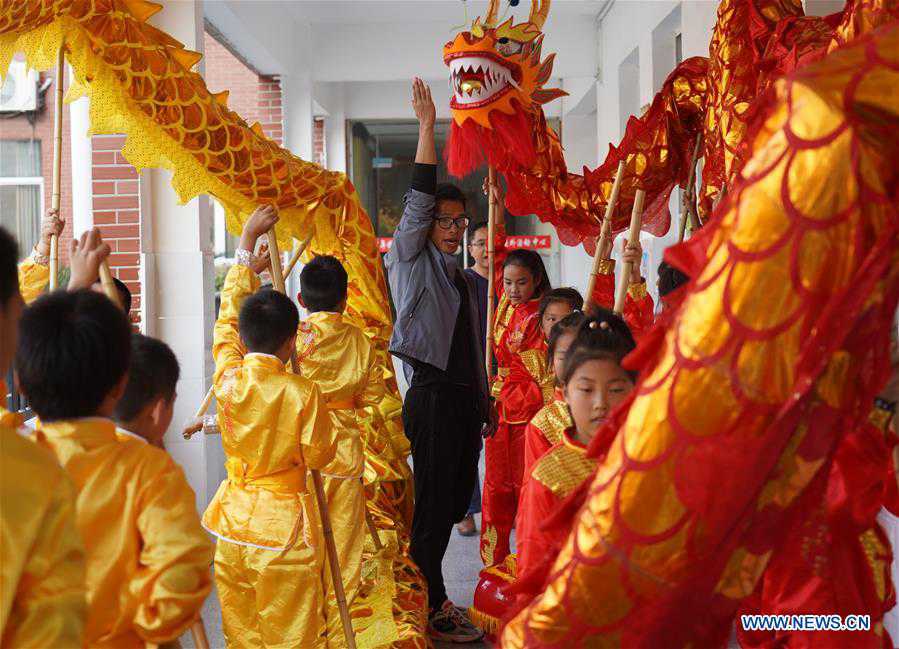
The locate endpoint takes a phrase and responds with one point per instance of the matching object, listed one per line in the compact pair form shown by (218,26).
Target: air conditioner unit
(19,92)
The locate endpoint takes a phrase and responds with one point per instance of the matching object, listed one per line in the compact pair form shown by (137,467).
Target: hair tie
(603,324)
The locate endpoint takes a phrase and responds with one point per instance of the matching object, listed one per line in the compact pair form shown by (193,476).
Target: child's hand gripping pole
(633,235)
(603,243)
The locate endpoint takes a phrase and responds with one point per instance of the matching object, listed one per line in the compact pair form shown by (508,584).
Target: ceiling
(452,12)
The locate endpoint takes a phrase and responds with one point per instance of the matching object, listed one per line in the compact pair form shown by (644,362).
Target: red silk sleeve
(639,309)
(604,289)
(537,543)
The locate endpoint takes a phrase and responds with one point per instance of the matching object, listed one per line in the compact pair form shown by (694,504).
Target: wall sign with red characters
(529,241)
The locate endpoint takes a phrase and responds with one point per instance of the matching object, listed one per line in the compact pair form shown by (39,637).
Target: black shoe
(451,624)
(466,526)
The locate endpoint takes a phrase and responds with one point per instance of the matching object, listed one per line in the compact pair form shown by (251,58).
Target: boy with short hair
(42,598)
(336,355)
(145,409)
(275,426)
(147,556)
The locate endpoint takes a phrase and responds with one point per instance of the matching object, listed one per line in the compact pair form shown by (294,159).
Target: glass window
(21,191)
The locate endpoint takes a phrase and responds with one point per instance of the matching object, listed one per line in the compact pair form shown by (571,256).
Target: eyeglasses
(446,222)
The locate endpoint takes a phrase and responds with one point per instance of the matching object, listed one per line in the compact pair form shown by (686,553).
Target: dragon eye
(507,47)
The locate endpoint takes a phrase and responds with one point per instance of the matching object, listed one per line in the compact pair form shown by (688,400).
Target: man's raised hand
(422,104)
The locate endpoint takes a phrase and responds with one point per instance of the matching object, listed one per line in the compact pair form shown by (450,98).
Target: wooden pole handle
(198,633)
(633,234)
(57,160)
(333,562)
(108,284)
(295,258)
(372,530)
(688,204)
(491,277)
(275,254)
(606,231)
(196,427)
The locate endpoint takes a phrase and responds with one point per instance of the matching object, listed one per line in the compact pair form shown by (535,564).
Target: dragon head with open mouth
(497,79)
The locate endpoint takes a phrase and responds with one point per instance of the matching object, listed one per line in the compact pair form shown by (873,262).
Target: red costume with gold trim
(520,389)
(777,349)
(838,560)
(545,430)
(538,537)
(639,307)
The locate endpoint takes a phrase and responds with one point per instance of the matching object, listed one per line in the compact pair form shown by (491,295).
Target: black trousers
(443,427)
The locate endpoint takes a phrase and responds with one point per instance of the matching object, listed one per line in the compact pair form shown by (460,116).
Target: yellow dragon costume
(140,82)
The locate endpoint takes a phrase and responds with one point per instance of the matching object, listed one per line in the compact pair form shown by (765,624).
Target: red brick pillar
(269,103)
(116,210)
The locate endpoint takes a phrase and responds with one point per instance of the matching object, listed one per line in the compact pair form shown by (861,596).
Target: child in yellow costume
(145,409)
(147,556)
(337,356)
(42,598)
(275,425)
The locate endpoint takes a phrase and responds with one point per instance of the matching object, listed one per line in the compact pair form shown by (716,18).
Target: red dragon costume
(498,75)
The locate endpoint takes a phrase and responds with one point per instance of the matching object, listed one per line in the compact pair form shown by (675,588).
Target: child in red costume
(547,426)
(519,347)
(594,383)
(639,309)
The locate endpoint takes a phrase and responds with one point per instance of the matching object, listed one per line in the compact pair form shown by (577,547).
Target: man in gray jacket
(447,404)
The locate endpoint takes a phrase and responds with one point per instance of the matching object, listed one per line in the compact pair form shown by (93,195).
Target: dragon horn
(539,12)
(492,13)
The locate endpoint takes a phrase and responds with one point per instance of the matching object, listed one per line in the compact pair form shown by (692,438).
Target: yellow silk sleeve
(50,606)
(227,348)
(33,279)
(374,392)
(317,436)
(173,579)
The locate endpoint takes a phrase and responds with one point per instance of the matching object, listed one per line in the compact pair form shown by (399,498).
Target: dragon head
(497,75)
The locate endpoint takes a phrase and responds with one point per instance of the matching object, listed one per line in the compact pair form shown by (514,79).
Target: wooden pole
(296,257)
(197,426)
(491,245)
(689,201)
(330,545)
(633,235)
(109,285)
(274,253)
(373,531)
(57,162)
(198,633)
(333,562)
(606,233)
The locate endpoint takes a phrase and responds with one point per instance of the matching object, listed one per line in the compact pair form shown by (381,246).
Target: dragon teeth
(495,77)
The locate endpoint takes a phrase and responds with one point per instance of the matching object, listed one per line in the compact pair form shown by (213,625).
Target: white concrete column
(335,129)
(296,88)
(177,274)
(82,176)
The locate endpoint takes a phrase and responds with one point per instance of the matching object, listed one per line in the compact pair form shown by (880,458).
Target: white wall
(648,29)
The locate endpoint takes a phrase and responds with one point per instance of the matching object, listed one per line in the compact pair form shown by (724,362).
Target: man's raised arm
(411,234)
